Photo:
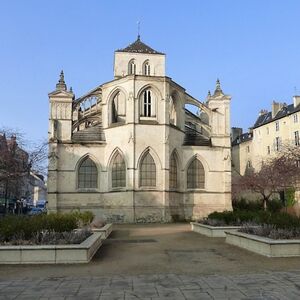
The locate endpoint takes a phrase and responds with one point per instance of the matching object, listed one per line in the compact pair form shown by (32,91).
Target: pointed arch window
(173,181)
(87,174)
(148,171)
(132,67)
(118,173)
(146,68)
(195,175)
(147,104)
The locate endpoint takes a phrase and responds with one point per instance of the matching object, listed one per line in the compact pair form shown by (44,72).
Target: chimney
(276,107)
(235,132)
(296,101)
(263,112)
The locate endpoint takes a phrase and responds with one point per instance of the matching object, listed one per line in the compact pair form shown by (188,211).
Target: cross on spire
(138,29)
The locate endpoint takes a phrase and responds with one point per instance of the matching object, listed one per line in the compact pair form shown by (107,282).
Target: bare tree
(17,163)
(274,176)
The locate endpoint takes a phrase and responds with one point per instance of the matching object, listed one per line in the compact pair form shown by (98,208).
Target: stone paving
(186,265)
(270,285)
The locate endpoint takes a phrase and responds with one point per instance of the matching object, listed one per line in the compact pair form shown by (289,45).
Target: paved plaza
(158,262)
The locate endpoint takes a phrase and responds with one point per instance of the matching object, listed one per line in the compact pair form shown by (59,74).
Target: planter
(107,229)
(262,245)
(212,231)
(55,254)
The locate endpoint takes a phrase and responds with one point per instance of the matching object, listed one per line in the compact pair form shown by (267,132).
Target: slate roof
(139,47)
(91,134)
(194,138)
(267,117)
(245,137)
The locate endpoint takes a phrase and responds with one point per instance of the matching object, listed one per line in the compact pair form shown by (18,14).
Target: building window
(249,164)
(268,150)
(277,143)
(87,174)
(277,126)
(146,69)
(268,130)
(118,173)
(173,172)
(195,175)
(248,149)
(295,118)
(296,135)
(131,67)
(147,104)
(148,171)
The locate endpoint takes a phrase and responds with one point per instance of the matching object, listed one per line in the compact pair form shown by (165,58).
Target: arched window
(118,107)
(118,173)
(147,104)
(146,68)
(87,174)
(195,175)
(148,171)
(131,67)
(173,172)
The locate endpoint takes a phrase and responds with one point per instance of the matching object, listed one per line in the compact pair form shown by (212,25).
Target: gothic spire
(61,85)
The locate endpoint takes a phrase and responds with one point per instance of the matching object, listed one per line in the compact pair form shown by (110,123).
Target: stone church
(133,150)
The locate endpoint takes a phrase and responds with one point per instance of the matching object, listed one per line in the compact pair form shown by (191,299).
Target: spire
(61,85)
(218,90)
(208,94)
(139,27)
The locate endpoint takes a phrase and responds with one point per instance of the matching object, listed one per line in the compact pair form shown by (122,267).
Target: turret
(219,103)
(60,119)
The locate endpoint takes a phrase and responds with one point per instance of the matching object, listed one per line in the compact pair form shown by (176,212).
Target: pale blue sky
(253,46)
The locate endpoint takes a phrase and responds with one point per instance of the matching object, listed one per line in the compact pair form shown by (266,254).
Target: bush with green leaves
(235,218)
(83,218)
(244,204)
(30,226)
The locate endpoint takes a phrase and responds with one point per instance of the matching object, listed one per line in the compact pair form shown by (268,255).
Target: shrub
(27,227)
(243,204)
(290,197)
(274,205)
(271,231)
(83,218)
(237,217)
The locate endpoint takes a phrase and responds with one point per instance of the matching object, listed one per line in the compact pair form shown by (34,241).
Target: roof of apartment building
(266,117)
(245,137)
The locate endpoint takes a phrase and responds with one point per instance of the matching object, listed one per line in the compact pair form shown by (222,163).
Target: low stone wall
(55,254)
(264,246)
(107,229)
(212,231)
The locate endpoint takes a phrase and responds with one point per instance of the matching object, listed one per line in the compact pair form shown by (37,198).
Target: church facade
(131,151)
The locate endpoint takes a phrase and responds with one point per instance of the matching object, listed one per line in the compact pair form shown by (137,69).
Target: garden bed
(264,246)
(212,231)
(55,254)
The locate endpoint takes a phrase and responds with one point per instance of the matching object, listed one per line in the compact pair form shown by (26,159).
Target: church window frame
(118,171)
(148,171)
(195,177)
(173,172)
(132,67)
(87,174)
(146,68)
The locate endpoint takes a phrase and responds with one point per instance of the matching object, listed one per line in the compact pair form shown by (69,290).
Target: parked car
(36,211)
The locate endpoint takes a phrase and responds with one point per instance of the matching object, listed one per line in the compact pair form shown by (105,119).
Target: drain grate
(110,241)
